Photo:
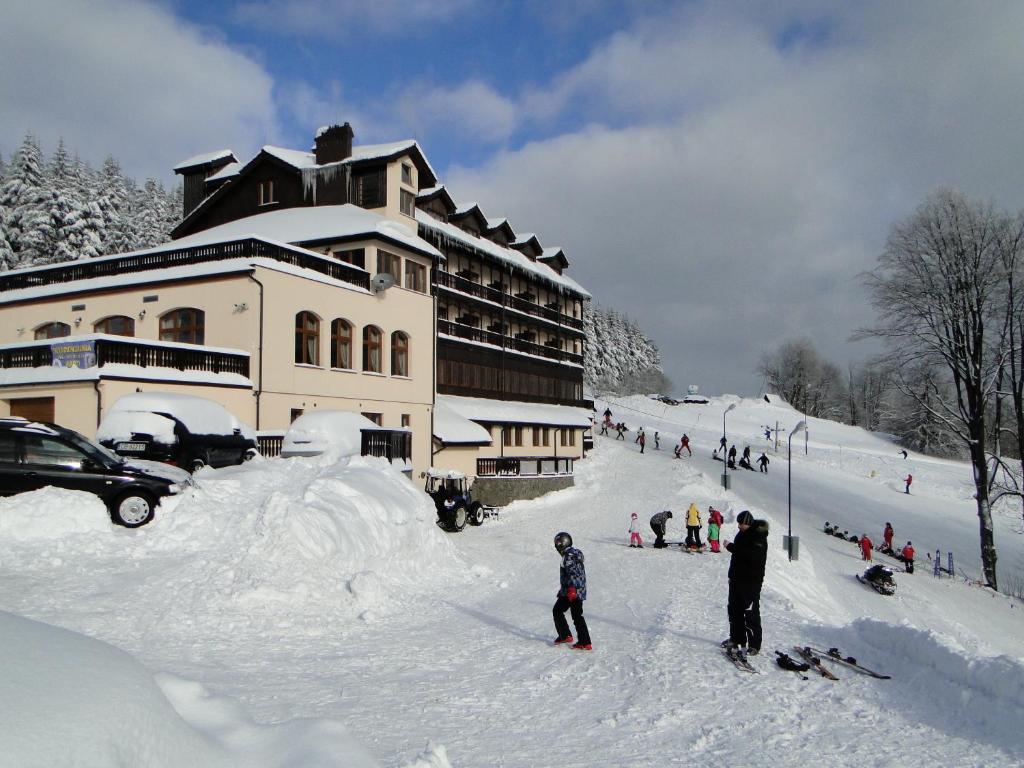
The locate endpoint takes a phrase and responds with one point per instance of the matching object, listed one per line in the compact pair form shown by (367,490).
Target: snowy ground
(289,591)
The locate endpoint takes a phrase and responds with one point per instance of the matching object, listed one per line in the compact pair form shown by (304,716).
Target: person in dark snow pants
(909,479)
(658,523)
(732,457)
(572,591)
(746,575)
(763,462)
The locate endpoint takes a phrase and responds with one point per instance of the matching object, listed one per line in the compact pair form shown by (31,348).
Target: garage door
(33,408)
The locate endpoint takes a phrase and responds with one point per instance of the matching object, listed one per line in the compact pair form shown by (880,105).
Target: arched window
(371,349)
(399,354)
(307,338)
(115,325)
(185,325)
(53,331)
(341,343)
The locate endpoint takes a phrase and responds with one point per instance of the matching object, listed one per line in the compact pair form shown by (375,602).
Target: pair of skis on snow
(813,657)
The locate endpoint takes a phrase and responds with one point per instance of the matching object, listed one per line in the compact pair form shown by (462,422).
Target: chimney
(333,143)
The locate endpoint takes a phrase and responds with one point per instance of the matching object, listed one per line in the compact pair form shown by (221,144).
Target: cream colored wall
(216,296)
(241,402)
(461,458)
(554,449)
(74,404)
(393,209)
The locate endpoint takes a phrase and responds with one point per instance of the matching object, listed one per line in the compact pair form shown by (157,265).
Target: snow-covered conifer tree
(23,198)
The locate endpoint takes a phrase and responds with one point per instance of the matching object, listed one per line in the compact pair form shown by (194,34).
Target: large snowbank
(67,699)
(313,433)
(52,514)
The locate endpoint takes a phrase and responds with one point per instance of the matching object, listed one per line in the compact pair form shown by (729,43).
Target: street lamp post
(725,457)
(800,427)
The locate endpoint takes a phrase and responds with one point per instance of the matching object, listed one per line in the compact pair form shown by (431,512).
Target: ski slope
(303,593)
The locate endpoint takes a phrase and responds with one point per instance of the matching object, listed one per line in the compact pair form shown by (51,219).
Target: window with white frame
(267,192)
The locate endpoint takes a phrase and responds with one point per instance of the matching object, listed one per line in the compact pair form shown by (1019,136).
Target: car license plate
(131,447)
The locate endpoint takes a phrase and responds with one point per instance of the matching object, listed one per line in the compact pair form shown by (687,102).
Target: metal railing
(387,444)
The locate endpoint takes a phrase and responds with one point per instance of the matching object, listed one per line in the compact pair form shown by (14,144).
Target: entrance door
(33,408)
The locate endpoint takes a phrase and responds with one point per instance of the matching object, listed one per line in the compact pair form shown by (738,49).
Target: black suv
(34,455)
(188,450)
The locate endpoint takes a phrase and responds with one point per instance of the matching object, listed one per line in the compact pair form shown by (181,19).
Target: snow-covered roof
(308,224)
(510,256)
(231,169)
(487,411)
(301,160)
(453,429)
(208,157)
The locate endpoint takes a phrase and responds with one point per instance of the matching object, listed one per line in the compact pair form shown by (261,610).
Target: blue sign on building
(74,354)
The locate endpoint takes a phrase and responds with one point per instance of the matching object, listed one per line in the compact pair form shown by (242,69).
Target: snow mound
(306,536)
(66,699)
(199,415)
(51,514)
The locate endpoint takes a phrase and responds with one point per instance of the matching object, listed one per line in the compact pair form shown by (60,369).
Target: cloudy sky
(722,172)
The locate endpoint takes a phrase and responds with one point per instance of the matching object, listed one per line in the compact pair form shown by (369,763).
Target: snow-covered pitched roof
(208,157)
(231,169)
(299,159)
(510,256)
(309,224)
(483,410)
(452,429)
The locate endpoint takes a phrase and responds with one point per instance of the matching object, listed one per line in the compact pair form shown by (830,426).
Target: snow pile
(310,538)
(66,699)
(313,433)
(51,514)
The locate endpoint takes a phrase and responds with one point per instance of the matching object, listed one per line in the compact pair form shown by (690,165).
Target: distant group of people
(905,554)
(729,457)
(749,552)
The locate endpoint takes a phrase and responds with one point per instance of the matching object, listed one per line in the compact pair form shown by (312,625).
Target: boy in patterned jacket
(571,594)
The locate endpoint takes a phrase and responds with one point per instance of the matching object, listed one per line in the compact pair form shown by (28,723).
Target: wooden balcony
(86,269)
(132,351)
(530,466)
(524,345)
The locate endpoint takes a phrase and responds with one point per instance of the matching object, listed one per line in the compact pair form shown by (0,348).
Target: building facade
(342,278)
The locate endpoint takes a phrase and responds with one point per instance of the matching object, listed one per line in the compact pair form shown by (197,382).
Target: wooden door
(33,408)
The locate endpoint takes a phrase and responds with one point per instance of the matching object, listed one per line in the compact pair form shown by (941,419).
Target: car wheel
(132,509)
(476,513)
(197,463)
(457,518)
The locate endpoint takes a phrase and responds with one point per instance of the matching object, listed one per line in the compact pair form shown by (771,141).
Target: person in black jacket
(746,574)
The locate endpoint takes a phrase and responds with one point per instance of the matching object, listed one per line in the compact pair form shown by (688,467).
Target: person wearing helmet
(571,594)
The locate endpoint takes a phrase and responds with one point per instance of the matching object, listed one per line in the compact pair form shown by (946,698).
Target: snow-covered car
(319,431)
(184,430)
(668,400)
(695,400)
(34,455)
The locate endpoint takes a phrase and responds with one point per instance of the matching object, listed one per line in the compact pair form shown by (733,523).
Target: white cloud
(127,79)
(471,110)
(727,191)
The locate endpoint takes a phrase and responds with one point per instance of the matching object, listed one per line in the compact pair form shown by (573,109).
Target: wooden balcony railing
(133,351)
(518,302)
(530,466)
(387,444)
(500,340)
(142,262)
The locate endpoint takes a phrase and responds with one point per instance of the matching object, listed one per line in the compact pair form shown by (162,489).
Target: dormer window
(267,192)
(407,202)
(407,174)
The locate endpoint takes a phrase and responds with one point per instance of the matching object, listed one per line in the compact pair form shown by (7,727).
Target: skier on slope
(658,523)
(714,528)
(693,527)
(634,532)
(745,460)
(908,480)
(763,462)
(641,438)
(572,592)
(746,575)
(732,457)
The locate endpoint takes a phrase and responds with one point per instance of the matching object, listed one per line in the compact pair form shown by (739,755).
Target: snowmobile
(880,579)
